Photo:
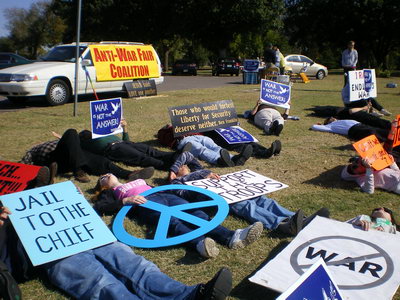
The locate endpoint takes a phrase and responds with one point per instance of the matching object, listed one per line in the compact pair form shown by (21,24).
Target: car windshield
(63,53)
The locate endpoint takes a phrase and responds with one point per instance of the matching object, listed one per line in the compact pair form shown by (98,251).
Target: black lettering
(23,205)
(40,247)
(350,265)
(49,216)
(372,268)
(321,253)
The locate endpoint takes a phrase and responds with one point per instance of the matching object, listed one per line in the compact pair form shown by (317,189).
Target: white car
(300,63)
(54,76)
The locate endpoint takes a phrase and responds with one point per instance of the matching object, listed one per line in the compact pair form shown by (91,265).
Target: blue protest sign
(235,135)
(316,283)
(55,221)
(106,117)
(274,93)
(368,80)
(251,65)
(362,84)
(166,212)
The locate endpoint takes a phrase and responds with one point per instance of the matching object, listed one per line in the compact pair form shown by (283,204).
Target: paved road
(171,83)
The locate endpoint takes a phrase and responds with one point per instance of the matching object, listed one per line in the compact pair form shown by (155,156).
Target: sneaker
(292,226)
(277,146)
(376,114)
(144,173)
(323,212)
(53,171)
(42,177)
(278,129)
(207,248)
(218,288)
(385,112)
(243,237)
(241,158)
(81,176)
(188,146)
(225,159)
(273,127)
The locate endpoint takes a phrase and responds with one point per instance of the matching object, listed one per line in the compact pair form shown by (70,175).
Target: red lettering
(113,71)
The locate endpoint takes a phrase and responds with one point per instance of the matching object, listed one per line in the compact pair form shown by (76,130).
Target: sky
(9,4)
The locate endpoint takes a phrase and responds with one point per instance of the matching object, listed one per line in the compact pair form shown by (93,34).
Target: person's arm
(125,135)
(366,182)
(357,109)
(355,58)
(184,158)
(344,58)
(55,134)
(137,199)
(255,109)
(319,127)
(362,220)
(4,212)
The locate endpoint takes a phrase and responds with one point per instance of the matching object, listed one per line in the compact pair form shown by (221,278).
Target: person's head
(183,170)
(384,213)
(269,45)
(275,47)
(106,181)
(329,120)
(85,135)
(356,167)
(350,45)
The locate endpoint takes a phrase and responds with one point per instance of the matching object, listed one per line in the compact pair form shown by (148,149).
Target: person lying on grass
(381,219)
(128,194)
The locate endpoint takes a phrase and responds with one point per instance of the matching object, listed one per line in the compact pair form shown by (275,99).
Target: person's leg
(263,119)
(375,104)
(68,153)
(203,148)
(360,131)
(368,119)
(99,165)
(262,209)
(93,281)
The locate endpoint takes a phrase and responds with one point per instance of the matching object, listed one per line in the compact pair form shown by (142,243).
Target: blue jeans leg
(115,272)
(203,148)
(262,209)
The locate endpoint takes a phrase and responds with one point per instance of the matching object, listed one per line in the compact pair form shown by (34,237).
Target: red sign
(14,177)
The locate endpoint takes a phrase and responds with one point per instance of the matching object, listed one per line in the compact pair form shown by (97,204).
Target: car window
(293,58)
(305,59)
(4,58)
(63,53)
(88,55)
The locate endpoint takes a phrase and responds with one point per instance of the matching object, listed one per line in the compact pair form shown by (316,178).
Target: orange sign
(371,148)
(396,131)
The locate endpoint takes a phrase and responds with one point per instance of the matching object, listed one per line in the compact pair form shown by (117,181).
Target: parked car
(11,59)
(54,76)
(226,66)
(298,62)
(184,66)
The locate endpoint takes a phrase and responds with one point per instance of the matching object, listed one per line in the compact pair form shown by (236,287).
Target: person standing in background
(349,60)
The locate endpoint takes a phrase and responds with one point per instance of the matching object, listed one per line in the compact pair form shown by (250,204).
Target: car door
(88,73)
(294,62)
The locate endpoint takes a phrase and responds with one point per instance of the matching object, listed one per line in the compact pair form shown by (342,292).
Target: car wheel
(217,74)
(17,100)
(320,74)
(58,92)
(195,73)
(237,74)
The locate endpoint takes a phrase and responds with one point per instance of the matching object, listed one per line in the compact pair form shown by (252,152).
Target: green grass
(309,164)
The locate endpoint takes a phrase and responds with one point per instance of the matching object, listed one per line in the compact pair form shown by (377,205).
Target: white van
(54,76)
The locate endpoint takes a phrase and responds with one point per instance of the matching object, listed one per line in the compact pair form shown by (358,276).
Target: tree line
(204,30)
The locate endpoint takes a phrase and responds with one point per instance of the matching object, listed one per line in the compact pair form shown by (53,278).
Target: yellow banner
(121,62)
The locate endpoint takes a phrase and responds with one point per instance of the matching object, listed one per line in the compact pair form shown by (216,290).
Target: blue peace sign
(166,212)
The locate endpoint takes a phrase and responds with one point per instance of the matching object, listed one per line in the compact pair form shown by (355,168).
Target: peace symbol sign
(177,211)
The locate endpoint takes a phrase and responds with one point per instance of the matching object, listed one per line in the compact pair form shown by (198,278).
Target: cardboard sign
(14,177)
(202,117)
(251,65)
(396,131)
(106,117)
(235,135)
(315,283)
(240,185)
(121,62)
(362,84)
(364,264)
(55,221)
(371,148)
(275,94)
(141,88)
(161,239)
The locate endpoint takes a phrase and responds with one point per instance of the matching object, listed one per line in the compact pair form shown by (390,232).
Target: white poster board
(365,264)
(362,84)
(240,185)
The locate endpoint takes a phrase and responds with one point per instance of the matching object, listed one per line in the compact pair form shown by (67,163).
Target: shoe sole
(42,177)
(211,248)
(187,147)
(53,172)
(244,156)
(253,235)
(278,147)
(226,158)
(222,285)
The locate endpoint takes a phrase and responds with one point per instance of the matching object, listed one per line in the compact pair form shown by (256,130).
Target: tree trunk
(166,54)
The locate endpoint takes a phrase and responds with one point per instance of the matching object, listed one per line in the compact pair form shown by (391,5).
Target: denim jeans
(178,227)
(203,148)
(262,209)
(114,271)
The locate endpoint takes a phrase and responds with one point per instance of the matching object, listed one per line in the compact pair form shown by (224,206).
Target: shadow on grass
(331,179)
(241,291)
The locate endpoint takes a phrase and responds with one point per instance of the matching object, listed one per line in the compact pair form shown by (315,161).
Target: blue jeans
(114,271)
(262,209)
(203,148)
(178,227)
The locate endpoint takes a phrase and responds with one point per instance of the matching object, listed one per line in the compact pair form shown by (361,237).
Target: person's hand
(365,225)
(259,102)
(137,199)
(4,212)
(214,176)
(171,176)
(123,123)
(55,134)
(366,163)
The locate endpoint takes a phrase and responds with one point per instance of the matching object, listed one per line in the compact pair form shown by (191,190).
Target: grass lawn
(309,163)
